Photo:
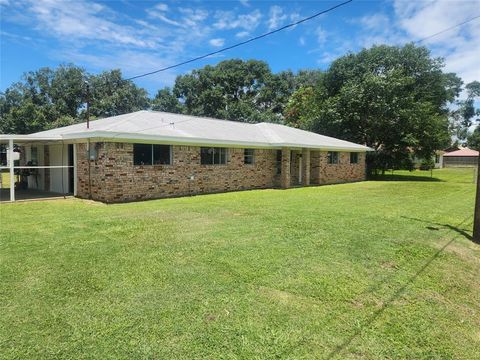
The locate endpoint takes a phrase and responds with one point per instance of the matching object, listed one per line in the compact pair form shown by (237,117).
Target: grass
(5,180)
(378,269)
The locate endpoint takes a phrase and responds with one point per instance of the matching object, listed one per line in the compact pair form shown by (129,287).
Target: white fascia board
(109,136)
(28,138)
(174,140)
(359,148)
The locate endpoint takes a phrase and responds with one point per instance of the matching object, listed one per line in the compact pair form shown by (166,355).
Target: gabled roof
(465,152)
(185,129)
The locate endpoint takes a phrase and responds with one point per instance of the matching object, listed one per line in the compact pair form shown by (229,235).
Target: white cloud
(277,17)
(161,7)
(217,42)
(459,46)
(245,3)
(82,20)
(227,20)
(321,35)
(242,34)
(301,41)
(377,21)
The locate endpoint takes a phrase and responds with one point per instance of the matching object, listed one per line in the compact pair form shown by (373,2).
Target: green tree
(110,95)
(392,99)
(463,117)
(49,98)
(238,90)
(166,101)
(473,140)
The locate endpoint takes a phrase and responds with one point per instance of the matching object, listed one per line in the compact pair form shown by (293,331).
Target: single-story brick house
(150,154)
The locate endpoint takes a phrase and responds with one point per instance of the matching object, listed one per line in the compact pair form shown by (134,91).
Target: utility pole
(476,216)
(88,103)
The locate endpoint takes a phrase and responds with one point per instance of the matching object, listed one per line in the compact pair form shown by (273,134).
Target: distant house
(436,161)
(464,157)
(149,154)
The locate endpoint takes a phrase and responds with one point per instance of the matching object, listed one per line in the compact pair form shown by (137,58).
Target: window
(332,157)
(162,155)
(249,156)
(3,155)
(34,155)
(279,162)
(353,158)
(213,156)
(148,154)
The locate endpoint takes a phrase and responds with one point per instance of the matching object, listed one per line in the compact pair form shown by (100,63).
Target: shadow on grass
(399,177)
(372,318)
(463,232)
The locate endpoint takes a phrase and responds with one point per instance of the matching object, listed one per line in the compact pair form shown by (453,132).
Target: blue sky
(140,36)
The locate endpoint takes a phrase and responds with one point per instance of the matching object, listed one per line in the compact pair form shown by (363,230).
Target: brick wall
(114,178)
(323,173)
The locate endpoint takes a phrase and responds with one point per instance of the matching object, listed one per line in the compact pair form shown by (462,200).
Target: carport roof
(145,126)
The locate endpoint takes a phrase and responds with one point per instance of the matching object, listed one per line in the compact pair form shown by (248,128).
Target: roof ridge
(204,117)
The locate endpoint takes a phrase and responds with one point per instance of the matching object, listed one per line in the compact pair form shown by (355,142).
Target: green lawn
(5,179)
(379,269)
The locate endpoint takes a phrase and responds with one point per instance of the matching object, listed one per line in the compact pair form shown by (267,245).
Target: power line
(447,29)
(243,42)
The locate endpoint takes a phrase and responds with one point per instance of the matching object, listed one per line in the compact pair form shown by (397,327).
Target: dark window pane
(223,156)
(279,161)
(213,156)
(142,154)
(216,157)
(162,154)
(353,158)
(206,156)
(249,155)
(332,157)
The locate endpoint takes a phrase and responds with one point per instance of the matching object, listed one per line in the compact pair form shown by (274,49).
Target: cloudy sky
(141,36)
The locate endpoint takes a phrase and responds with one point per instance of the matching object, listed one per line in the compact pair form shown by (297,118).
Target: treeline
(397,100)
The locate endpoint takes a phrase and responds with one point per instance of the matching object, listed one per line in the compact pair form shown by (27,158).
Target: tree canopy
(397,100)
(393,99)
(235,90)
(49,98)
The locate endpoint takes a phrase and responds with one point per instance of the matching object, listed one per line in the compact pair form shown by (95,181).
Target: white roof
(171,128)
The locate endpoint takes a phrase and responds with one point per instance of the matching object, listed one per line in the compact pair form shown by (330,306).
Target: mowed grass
(378,269)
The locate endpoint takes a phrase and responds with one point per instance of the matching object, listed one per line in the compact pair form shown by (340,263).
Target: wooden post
(476,215)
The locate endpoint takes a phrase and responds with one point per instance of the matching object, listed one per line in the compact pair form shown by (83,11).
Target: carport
(37,168)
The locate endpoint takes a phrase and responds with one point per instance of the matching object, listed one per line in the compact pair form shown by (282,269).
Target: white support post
(75,169)
(10,165)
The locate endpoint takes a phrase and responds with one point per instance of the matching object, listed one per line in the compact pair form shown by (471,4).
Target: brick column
(285,176)
(306,167)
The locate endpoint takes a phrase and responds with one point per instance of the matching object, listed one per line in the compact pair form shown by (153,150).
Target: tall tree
(110,95)
(238,90)
(49,98)
(393,99)
(165,100)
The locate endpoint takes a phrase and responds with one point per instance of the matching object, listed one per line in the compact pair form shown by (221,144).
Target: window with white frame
(213,156)
(332,157)
(148,154)
(353,158)
(249,156)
